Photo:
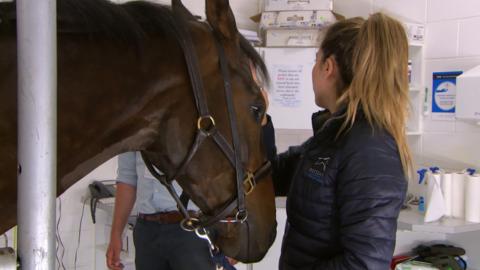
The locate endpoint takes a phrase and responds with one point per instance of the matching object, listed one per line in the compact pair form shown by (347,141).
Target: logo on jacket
(318,168)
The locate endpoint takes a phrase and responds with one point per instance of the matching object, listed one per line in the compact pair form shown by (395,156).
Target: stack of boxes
(295,23)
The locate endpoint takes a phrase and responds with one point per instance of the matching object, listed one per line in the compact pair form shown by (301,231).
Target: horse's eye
(257,112)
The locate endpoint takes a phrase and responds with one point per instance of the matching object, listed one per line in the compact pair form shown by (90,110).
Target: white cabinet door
(292,101)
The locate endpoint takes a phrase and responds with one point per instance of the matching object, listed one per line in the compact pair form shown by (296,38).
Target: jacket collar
(324,121)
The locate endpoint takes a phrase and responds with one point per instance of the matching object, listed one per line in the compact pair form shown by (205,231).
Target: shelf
(412,220)
(415,89)
(415,44)
(106,204)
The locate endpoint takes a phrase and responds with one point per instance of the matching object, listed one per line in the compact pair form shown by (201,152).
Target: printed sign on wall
(444,93)
(288,85)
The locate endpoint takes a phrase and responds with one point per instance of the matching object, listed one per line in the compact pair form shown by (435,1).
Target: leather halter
(206,128)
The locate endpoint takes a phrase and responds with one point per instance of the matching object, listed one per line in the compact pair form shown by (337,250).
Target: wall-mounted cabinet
(417,87)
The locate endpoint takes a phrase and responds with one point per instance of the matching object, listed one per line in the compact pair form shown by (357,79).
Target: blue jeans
(169,247)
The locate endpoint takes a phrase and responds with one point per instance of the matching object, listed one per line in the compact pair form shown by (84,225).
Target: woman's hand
(231,261)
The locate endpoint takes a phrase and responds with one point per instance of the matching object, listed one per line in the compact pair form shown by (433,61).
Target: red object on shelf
(399,259)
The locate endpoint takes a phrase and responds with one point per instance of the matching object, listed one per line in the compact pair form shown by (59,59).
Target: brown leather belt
(172,217)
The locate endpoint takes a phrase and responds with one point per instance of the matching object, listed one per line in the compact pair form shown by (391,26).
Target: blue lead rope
(221,261)
(217,256)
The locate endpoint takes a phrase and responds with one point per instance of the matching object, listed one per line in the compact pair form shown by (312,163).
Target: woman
(346,184)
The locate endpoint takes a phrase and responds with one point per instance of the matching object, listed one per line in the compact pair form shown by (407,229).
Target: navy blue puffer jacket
(344,196)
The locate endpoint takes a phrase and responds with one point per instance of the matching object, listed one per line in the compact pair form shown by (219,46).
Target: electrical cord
(59,238)
(6,240)
(79,233)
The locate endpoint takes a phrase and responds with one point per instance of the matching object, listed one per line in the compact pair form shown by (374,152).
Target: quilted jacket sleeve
(370,192)
(284,165)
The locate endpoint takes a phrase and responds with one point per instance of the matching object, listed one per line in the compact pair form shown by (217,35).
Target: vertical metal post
(37,127)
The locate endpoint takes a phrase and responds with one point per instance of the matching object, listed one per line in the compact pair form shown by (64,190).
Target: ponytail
(379,81)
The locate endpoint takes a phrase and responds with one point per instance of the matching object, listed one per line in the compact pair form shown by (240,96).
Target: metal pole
(37,125)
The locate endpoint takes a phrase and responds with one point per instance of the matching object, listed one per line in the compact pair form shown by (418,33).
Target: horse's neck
(110,100)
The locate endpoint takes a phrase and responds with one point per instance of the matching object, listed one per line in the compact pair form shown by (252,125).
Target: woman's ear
(330,66)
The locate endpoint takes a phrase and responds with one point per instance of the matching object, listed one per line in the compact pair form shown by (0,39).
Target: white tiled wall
(243,9)
(407,10)
(348,9)
(442,39)
(469,40)
(452,44)
(442,10)
(72,207)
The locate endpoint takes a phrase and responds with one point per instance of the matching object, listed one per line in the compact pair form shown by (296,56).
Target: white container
(458,196)
(468,95)
(8,259)
(415,32)
(293,37)
(282,5)
(297,19)
(472,200)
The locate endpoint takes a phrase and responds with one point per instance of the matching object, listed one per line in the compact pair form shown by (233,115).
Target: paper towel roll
(447,189)
(435,208)
(458,195)
(472,198)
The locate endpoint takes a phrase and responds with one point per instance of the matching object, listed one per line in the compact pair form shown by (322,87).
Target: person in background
(347,183)
(160,242)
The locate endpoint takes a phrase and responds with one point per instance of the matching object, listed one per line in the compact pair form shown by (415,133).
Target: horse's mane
(130,19)
(129,22)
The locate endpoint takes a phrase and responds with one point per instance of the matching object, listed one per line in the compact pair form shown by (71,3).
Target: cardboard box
(297,19)
(283,5)
(293,37)
(415,32)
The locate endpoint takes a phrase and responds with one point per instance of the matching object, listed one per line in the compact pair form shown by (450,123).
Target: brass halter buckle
(206,124)
(249,182)
(190,224)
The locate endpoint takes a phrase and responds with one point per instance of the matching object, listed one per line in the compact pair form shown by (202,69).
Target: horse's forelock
(256,59)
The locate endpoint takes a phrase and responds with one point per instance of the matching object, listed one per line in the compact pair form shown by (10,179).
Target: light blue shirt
(152,196)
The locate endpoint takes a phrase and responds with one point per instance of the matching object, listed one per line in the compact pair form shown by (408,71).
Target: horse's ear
(179,8)
(222,20)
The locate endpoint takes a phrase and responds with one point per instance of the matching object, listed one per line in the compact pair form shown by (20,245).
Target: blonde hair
(375,78)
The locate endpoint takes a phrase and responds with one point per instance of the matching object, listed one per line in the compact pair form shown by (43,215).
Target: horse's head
(210,176)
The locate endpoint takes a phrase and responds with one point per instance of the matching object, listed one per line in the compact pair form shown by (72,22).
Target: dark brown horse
(123,86)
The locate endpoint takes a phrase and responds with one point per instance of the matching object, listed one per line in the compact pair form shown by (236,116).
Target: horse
(124,84)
